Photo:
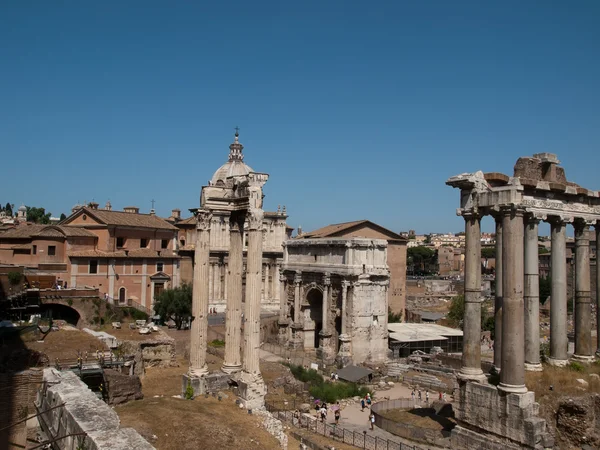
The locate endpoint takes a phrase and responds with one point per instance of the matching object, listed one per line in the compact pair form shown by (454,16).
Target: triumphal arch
(506,416)
(238,196)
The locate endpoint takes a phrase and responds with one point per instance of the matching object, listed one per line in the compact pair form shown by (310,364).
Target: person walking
(337,413)
(420,396)
(427,396)
(371,419)
(362,404)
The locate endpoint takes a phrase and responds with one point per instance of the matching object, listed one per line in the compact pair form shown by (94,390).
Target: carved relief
(203,219)
(255,218)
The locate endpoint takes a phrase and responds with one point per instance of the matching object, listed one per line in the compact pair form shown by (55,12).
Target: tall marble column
(597,229)
(233,322)
(498,299)
(558,301)
(344,355)
(512,375)
(199,332)
(325,318)
(532,296)
(471,356)
(297,284)
(282,297)
(266,289)
(583,307)
(253,291)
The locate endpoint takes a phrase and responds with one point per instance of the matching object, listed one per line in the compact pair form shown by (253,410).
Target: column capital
(203,219)
(512,210)
(345,283)
(560,219)
(469,214)
(282,276)
(582,224)
(534,218)
(255,218)
(298,278)
(327,279)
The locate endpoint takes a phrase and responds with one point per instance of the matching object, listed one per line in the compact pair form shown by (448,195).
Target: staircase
(396,369)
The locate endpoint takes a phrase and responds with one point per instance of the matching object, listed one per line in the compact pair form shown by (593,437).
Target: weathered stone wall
(157,352)
(512,418)
(122,388)
(16,403)
(578,421)
(368,322)
(82,412)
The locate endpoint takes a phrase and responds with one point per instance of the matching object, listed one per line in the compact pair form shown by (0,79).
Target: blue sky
(355,109)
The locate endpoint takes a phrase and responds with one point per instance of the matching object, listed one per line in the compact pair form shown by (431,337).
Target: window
(120,242)
(51,250)
(159,266)
(164,243)
(93,266)
(35,249)
(143,243)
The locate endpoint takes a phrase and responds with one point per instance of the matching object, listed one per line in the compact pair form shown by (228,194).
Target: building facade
(334,299)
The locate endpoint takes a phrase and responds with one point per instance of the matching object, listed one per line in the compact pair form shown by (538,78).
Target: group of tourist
(416,393)
(322,410)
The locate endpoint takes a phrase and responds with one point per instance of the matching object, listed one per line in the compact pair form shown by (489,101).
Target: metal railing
(357,439)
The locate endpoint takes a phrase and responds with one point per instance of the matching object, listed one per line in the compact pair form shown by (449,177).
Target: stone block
(198,385)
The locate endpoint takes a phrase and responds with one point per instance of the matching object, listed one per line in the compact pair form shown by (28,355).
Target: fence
(404,430)
(357,439)
(434,387)
(296,357)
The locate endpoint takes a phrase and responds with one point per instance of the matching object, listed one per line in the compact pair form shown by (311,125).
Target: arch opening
(314,314)
(60,312)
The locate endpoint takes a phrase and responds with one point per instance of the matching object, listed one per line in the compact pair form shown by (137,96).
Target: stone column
(211,282)
(325,308)
(558,301)
(597,229)
(233,321)
(297,284)
(512,375)
(471,356)
(583,307)
(532,296)
(283,297)
(344,356)
(266,284)
(253,291)
(498,298)
(199,332)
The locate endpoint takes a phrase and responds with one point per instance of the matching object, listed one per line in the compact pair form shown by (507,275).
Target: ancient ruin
(238,198)
(506,416)
(334,299)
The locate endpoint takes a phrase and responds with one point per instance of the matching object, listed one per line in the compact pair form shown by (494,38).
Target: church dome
(235,166)
(23,208)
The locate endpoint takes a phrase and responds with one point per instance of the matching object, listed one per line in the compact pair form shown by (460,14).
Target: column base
(197,383)
(251,390)
(533,367)
(471,374)
(586,359)
(512,388)
(558,362)
(229,369)
(198,372)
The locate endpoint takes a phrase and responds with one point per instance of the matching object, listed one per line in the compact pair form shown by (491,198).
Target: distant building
(396,253)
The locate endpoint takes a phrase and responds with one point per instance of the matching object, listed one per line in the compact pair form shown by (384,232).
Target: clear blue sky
(356,109)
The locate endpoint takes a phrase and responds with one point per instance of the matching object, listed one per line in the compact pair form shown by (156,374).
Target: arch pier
(506,416)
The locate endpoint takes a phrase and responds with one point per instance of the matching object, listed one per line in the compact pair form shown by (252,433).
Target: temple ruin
(238,198)
(506,416)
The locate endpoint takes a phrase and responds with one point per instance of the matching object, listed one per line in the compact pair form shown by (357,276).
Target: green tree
(63,216)
(456,314)
(542,250)
(545,285)
(488,252)
(422,258)
(8,209)
(38,215)
(175,304)
(394,317)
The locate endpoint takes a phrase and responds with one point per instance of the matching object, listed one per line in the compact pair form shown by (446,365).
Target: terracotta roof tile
(23,231)
(338,229)
(128,219)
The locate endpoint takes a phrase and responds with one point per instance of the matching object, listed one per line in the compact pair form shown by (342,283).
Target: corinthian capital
(255,219)
(203,219)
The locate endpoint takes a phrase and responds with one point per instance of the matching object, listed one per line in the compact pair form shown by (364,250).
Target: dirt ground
(421,417)
(64,344)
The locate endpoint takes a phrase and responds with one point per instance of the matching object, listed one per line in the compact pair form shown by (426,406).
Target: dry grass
(204,423)
(420,417)
(563,381)
(65,344)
